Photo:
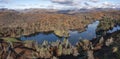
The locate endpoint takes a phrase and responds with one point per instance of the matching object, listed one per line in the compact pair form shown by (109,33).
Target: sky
(59,4)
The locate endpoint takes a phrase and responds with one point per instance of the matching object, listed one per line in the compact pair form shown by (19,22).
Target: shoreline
(15,24)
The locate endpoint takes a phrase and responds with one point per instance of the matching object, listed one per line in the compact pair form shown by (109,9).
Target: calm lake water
(74,37)
(116,28)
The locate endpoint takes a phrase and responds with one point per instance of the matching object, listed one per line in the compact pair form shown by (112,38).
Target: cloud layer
(72,2)
(60,4)
(87,3)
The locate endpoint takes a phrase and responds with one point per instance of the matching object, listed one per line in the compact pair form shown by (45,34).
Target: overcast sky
(59,4)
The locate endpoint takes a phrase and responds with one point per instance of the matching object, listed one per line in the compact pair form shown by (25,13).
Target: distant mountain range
(87,10)
(60,11)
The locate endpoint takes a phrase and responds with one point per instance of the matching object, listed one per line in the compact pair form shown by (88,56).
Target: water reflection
(74,35)
(116,28)
(41,37)
(90,33)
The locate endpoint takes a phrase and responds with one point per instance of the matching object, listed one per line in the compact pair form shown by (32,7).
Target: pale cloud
(75,3)
(107,3)
(5,1)
(72,2)
(85,3)
(2,6)
(67,2)
(94,0)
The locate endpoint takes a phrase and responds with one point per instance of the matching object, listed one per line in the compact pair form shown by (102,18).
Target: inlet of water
(74,37)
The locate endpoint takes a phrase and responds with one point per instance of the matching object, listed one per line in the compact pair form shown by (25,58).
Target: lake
(74,37)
